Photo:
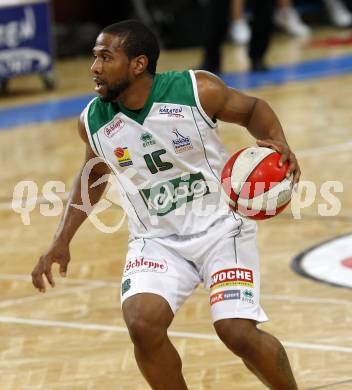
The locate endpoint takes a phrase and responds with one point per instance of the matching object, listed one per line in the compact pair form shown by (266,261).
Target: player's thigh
(155,269)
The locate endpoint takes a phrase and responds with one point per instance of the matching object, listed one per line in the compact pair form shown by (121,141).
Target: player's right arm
(72,218)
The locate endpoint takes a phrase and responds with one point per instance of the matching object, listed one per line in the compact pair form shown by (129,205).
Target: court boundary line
(188,335)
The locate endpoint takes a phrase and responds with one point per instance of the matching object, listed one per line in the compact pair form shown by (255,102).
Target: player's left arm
(229,105)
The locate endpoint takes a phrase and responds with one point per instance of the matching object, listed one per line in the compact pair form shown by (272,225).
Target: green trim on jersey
(204,150)
(175,87)
(168,87)
(100,113)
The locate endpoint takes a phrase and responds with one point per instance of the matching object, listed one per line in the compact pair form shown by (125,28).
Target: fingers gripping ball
(255,184)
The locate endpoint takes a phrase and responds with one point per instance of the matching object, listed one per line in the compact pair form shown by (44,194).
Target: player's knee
(146,321)
(145,334)
(237,335)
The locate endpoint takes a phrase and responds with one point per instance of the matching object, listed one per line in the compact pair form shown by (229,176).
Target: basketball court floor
(73,337)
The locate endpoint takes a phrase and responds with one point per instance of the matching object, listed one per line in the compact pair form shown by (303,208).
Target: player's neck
(137,94)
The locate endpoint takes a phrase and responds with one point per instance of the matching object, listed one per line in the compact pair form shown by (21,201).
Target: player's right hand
(59,253)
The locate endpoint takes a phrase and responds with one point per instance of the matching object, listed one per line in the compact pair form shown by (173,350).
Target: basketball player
(162,130)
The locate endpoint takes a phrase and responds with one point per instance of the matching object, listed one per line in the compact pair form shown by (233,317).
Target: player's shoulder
(208,82)
(82,127)
(212,92)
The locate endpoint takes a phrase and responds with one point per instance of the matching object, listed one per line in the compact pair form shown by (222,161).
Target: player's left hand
(59,252)
(286,155)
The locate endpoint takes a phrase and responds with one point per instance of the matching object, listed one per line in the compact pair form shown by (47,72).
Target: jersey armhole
(199,106)
(86,125)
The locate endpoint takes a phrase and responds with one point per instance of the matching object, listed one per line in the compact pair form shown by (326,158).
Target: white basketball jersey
(167,157)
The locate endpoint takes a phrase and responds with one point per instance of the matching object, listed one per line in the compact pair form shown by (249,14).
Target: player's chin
(102,91)
(105,97)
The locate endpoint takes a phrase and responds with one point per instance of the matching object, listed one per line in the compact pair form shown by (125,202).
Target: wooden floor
(73,337)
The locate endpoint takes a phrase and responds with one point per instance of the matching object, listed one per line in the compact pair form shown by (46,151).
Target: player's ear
(139,64)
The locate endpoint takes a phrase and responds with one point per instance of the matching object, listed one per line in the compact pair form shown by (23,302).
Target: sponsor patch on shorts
(126,285)
(224,296)
(247,296)
(142,264)
(232,277)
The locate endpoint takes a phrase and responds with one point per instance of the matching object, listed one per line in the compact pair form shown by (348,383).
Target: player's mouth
(100,85)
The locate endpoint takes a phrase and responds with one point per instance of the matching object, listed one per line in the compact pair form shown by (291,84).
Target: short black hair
(138,40)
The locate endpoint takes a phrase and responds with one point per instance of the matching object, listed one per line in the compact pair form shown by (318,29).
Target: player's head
(123,51)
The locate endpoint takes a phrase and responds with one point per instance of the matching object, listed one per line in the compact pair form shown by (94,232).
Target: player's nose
(96,67)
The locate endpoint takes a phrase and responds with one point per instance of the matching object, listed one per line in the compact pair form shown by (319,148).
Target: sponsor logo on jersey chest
(113,127)
(123,156)
(170,111)
(181,143)
(167,196)
(147,139)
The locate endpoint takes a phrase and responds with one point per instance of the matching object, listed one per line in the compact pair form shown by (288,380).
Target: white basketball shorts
(225,258)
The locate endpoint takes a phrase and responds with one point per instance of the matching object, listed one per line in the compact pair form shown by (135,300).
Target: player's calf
(262,353)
